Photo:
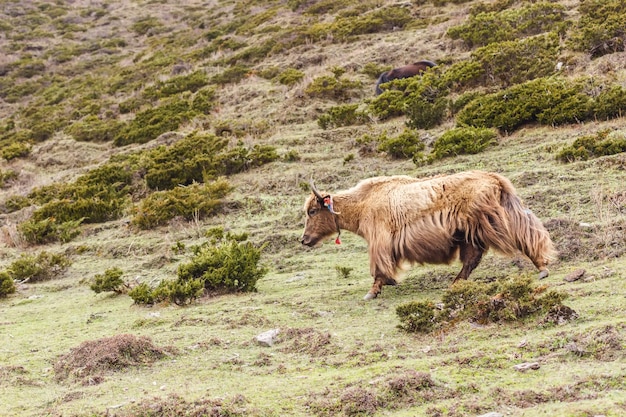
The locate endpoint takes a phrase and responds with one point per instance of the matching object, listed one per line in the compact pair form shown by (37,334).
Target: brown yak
(432,220)
(406,71)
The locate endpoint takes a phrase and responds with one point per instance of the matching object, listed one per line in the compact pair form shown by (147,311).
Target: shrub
(94,129)
(330,87)
(231,75)
(111,280)
(149,124)
(7,285)
(343,272)
(179,292)
(505,300)
(405,145)
(386,19)
(176,85)
(290,76)
(344,115)
(416,316)
(604,142)
(204,101)
(423,113)
(488,27)
(193,201)
(142,294)
(7,176)
(610,103)
(41,267)
(391,103)
(459,141)
(230,266)
(15,150)
(148,25)
(49,230)
(600,30)
(553,100)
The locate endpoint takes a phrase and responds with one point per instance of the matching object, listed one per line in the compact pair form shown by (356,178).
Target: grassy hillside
(132,131)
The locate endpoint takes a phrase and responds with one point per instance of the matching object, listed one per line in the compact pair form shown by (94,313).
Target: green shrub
(600,30)
(49,230)
(94,129)
(382,20)
(459,141)
(604,142)
(290,76)
(551,101)
(516,61)
(231,75)
(15,150)
(150,123)
(391,103)
(610,103)
(505,300)
(193,201)
(344,115)
(416,316)
(42,267)
(7,176)
(191,159)
(176,85)
(230,266)
(423,113)
(7,285)
(343,272)
(204,101)
(142,294)
(510,24)
(179,292)
(405,145)
(148,25)
(111,280)
(374,70)
(330,87)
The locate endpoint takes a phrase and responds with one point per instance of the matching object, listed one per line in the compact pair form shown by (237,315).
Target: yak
(405,71)
(435,220)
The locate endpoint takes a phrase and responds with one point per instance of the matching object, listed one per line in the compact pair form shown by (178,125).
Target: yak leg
(470,257)
(376,289)
(542,267)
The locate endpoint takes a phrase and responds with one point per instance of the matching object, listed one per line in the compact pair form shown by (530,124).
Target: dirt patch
(91,359)
(175,406)
(578,241)
(401,389)
(16,375)
(308,341)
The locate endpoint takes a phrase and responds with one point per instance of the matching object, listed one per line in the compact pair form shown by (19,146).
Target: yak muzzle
(308,241)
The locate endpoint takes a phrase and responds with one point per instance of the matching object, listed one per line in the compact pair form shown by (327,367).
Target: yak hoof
(370,296)
(544,273)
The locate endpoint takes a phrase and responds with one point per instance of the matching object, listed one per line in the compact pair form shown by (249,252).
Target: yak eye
(312,212)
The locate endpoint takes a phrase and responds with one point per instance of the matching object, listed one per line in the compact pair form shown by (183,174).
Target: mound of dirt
(92,358)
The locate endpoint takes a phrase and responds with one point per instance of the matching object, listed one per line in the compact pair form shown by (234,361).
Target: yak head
(320,218)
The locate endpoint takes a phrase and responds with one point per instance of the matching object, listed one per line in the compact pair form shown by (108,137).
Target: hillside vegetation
(155,156)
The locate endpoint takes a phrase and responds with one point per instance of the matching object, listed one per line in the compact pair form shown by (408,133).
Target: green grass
(337,354)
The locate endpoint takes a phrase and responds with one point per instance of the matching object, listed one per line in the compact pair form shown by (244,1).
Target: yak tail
(525,231)
(382,79)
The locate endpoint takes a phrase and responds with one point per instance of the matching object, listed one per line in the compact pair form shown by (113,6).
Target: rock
(267,338)
(523,367)
(574,275)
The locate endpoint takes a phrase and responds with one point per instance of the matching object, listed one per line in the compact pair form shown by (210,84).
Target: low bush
(7,285)
(13,150)
(150,123)
(333,88)
(496,26)
(423,113)
(391,103)
(381,20)
(231,75)
(93,129)
(550,101)
(111,280)
(229,266)
(290,76)
(35,268)
(505,300)
(460,141)
(601,28)
(405,145)
(204,100)
(343,115)
(176,85)
(604,142)
(6,177)
(49,230)
(189,202)
(225,264)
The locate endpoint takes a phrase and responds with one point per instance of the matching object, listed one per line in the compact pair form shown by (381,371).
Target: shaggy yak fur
(433,220)
(406,71)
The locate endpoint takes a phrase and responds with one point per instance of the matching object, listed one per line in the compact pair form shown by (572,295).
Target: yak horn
(317,193)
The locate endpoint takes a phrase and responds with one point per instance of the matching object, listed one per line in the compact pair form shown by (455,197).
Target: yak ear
(314,189)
